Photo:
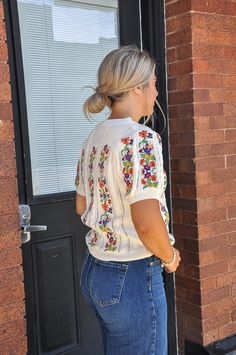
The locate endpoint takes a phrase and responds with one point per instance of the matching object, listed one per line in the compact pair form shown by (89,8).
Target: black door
(55,47)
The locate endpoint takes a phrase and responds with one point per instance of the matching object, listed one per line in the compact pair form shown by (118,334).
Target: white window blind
(63,43)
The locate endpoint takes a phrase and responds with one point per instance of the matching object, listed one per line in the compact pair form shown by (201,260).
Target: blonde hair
(121,70)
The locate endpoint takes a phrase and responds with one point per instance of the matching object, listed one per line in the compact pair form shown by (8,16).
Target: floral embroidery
(166,213)
(111,245)
(90,181)
(158,137)
(80,162)
(127,170)
(94,239)
(106,202)
(147,160)
(165,179)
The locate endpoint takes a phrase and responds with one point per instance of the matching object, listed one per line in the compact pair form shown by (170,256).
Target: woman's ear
(138,91)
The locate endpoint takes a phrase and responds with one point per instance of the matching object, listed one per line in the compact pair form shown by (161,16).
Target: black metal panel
(55,290)
(225,346)
(129,20)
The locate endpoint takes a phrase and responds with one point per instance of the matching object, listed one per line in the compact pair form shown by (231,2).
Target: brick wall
(12,306)
(201,69)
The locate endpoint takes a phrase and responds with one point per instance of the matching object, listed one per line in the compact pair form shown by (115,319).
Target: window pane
(63,43)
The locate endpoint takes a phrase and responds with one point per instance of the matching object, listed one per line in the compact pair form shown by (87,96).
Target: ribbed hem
(149,193)
(114,256)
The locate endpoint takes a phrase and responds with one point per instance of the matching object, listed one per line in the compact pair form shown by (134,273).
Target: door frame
(151,24)
(154,39)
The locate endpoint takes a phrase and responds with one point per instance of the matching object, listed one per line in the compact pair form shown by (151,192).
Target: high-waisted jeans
(129,301)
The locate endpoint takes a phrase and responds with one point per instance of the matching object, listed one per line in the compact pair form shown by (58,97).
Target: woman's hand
(173,267)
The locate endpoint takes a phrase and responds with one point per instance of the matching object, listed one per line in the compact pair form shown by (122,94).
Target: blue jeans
(129,301)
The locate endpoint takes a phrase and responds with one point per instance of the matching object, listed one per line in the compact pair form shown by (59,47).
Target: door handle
(30,228)
(26,228)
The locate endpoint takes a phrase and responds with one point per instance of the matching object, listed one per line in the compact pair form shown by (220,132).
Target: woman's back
(120,163)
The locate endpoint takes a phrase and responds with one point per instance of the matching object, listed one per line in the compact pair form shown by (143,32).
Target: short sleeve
(142,166)
(79,181)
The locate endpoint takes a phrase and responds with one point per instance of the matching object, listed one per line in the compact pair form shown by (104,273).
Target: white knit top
(120,162)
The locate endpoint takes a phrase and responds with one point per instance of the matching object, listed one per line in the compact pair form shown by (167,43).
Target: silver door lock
(26,228)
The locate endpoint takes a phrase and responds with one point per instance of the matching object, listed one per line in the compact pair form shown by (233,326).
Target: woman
(120,185)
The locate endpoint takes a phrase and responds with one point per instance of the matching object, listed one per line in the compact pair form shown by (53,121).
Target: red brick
(206,257)
(230,135)
(181,111)
(217,268)
(229,109)
(216,321)
(189,217)
(206,51)
(10,258)
(203,150)
(215,215)
(211,336)
(215,295)
(227,330)
(232,264)
(188,283)
(183,165)
(203,178)
(223,174)
(7,150)
(223,306)
(212,189)
(229,81)
(5,92)
(3,51)
(208,109)
(222,253)
(12,294)
(171,55)
(6,111)
(180,97)
(6,130)
(231,186)
(209,163)
(232,237)
(223,122)
(209,136)
(204,231)
(189,308)
(180,68)
(179,7)
(12,312)
(14,347)
(186,138)
(2,31)
(4,72)
(202,124)
(177,23)
(225,279)
(212,21)
(224,226)
(212,243)
(232,212)
(193,297)
(208,284)
(184,51)
(234,314)
(180,292)
(12,330)
(207,81)
(200,66)
(7,206)
(11,276)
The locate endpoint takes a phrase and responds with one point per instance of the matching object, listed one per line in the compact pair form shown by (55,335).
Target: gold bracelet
(169,263)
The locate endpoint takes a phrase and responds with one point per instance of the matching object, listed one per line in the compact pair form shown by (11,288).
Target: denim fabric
(129,301)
